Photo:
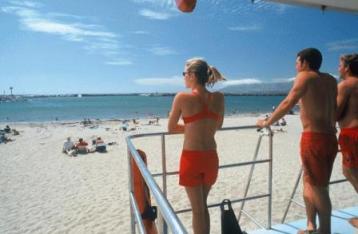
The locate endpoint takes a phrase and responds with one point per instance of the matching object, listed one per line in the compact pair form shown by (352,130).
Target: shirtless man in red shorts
(347,116)
(317,94)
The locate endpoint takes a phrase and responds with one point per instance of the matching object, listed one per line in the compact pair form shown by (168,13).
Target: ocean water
(117,107)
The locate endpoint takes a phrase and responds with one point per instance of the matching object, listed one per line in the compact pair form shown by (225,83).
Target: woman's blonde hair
(351,61)
(206,75)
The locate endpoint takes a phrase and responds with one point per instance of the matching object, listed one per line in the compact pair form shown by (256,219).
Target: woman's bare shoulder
(183,95)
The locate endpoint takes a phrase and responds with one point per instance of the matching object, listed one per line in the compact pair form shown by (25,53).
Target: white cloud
(350,44)
(140,32)
(26,3)
(155,15)
(162,51)
(158,3)
(120,62)
(245,28)
(241,82)
(284,79)
(172,81)
(92,37)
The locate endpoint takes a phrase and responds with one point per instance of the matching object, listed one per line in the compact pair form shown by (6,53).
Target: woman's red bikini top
(205,113)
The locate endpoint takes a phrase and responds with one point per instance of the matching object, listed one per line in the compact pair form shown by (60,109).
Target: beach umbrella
(186,5)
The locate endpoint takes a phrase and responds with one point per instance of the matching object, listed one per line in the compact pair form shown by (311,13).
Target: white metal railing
(167,212)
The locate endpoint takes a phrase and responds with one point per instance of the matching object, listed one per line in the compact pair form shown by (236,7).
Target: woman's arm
(173,126)
(222,111)
(342,98)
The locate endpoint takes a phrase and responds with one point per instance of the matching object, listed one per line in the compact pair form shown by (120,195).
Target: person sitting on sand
(7,129)
(2,138)
(283,122)
(81,147)
(68,146)
(100,145)
(125,125)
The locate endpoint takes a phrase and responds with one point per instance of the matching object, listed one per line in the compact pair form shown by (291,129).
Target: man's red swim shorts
(348,141)
(318,151)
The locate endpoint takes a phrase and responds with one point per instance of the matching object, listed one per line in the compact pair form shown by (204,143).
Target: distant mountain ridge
(264,88)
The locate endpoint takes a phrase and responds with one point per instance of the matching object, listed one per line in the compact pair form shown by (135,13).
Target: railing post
(163,224)
(248,182)
(164,206)
(292,196)
(131,190)
(269,208)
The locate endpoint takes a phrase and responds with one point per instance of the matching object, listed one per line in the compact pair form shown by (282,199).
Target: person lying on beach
(81,147)
(5,139)
(202,113)
(15,132)
(317,93)
(347,116)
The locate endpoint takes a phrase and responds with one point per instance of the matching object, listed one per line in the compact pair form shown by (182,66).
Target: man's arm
(342,98)
(297,91)
(173,126)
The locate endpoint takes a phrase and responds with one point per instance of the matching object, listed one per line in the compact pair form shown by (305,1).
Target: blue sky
(87,46)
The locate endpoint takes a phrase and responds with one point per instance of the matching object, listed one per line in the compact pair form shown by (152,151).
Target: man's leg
(352,176)
(317,202)
(354,222)
(323,205)
(311,211)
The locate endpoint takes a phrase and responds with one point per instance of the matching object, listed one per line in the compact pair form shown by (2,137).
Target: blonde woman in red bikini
(202,113)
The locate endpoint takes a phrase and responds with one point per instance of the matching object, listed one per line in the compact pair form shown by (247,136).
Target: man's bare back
(318,104)
(348,102)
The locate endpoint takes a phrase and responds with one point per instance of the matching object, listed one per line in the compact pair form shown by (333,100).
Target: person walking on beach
(347,116)
(317,94)
(202,113)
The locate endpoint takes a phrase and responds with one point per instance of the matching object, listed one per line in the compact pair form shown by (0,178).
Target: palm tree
(11,88)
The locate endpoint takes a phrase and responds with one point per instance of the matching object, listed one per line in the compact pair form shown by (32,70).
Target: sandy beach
(46,191)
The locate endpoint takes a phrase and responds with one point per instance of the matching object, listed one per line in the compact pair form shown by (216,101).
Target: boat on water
(11,98)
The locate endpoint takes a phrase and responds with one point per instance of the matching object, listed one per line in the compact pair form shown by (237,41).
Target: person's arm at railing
(298,90)
(174,115)
(221,111)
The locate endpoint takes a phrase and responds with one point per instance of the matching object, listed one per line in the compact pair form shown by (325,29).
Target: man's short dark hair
(351,61)
(312,56)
